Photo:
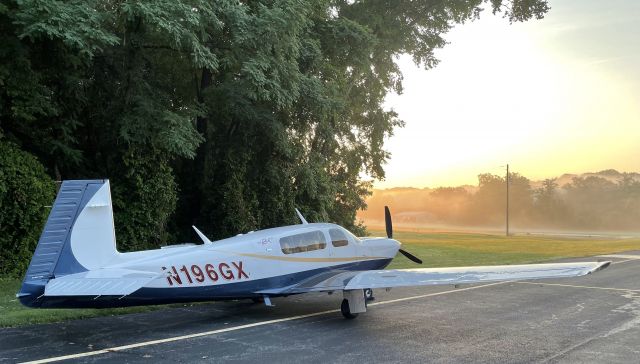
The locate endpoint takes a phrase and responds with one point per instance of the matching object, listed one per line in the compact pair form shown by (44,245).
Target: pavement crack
(570,349)
(632,307)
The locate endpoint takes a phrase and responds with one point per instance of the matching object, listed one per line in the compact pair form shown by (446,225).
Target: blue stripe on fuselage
(155,296)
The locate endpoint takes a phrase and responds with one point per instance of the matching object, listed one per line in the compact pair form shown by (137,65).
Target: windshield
(350,235)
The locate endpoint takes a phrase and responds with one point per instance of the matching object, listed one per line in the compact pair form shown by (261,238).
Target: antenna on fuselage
(304,221)
(202,236)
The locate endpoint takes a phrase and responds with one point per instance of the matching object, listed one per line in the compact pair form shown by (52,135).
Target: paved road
(588,319)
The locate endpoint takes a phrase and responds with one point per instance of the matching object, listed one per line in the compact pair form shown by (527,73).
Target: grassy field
(435,249)
(462,249)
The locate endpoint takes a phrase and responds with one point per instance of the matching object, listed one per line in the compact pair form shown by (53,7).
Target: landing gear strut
(353,303)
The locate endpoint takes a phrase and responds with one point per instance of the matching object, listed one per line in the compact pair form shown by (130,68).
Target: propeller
(387,222)
(389,227)
(410,256)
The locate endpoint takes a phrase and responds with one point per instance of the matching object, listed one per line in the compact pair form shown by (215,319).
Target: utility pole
(507,180)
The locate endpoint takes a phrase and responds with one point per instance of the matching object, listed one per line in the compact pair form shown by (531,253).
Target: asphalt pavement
(595,318)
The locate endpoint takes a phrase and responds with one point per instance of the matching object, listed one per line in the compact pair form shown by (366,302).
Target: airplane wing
(101,282)
(438,276)
(435,276)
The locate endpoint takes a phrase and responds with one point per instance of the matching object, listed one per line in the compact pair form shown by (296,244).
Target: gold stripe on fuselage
(302,259)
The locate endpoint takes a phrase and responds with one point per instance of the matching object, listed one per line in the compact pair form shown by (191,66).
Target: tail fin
(78,236)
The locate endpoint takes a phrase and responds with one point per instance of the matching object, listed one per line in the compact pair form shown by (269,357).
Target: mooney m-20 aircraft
(76,263)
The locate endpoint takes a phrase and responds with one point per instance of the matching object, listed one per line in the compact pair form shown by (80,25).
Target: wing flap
(460,275)
(102,282)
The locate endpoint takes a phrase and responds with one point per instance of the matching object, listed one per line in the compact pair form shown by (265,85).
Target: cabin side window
(304,242)
(338,238)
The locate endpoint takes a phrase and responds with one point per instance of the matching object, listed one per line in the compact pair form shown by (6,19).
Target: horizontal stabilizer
(101,282)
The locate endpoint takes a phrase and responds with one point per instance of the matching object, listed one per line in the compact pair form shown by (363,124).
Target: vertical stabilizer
(78,236)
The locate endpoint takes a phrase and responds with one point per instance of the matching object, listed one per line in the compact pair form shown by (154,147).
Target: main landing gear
(346,312)
(355,302)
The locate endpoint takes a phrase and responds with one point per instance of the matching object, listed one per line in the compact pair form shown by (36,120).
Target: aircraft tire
(344,308)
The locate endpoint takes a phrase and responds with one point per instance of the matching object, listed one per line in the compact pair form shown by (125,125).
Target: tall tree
(298,106)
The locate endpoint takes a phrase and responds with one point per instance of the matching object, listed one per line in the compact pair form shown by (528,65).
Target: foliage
(25,192)
(219,113)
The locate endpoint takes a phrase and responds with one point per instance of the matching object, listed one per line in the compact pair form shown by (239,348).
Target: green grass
(463,249)
(435,249)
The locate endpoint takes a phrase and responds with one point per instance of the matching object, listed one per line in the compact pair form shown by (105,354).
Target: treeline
(607,200)
(225,114)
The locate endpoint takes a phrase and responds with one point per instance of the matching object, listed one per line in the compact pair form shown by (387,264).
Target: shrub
(25,192)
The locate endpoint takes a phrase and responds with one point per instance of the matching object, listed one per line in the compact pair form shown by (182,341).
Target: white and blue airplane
(76,263)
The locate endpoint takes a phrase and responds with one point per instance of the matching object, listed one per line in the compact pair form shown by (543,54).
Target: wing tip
(600,266)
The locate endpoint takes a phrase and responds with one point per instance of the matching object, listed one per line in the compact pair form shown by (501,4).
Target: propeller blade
(410,256)
(389,226)
(387,222)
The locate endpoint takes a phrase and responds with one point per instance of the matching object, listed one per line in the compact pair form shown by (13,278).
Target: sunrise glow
(534,95)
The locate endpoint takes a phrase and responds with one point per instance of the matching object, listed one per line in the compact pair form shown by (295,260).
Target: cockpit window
(350,235)
(304,242)
(338,238)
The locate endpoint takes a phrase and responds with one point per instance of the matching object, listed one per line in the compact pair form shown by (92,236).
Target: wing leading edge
(438,276)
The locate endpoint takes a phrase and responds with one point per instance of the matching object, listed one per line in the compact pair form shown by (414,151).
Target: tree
(549,207)
(592,202)
(488,203)
(315,109)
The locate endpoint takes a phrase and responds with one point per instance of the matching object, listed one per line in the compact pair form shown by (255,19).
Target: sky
(552,96)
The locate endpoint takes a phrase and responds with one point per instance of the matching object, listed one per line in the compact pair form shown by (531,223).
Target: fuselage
(238,267)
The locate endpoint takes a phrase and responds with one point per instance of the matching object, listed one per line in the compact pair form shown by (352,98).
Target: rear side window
(304,242)
(338,238)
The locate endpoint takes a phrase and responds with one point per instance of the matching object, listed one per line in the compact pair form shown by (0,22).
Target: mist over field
(591,202)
